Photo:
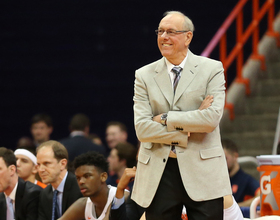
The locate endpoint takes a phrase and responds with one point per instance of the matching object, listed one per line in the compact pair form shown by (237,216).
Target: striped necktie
(10,209)
(177,70)
(55,212)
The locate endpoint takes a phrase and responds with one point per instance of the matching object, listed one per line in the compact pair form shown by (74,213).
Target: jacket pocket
(143,158)
(211,152)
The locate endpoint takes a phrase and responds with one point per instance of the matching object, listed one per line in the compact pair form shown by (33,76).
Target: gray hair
(188,24)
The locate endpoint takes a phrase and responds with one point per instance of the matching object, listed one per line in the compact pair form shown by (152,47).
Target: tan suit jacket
(200,157)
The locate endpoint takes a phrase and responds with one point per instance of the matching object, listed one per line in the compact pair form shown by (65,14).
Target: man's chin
(45,181)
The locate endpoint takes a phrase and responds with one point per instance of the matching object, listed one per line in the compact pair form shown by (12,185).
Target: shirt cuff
(117,203)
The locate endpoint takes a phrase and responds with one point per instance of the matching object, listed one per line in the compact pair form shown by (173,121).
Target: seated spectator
(27,166)
(244,187)
(78,142)
(91,172)
(116,132)
(41,128)
(121,157)
(18,199)
(63,188)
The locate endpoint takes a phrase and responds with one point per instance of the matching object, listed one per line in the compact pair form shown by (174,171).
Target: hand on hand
(207,102)
(157,118)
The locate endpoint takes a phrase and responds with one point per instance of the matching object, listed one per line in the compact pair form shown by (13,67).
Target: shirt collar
(170,65)
(13,193)
(60,188)
(77,133)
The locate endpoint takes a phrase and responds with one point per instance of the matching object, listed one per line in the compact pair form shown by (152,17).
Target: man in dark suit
(63,189)
(78,143)
(18,199)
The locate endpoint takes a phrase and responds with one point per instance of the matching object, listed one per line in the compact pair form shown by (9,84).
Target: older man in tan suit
(181,160)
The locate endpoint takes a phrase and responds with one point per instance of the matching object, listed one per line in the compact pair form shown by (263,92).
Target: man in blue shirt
(244,187)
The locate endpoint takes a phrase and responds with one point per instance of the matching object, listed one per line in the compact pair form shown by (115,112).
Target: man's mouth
(83,190)
(166,45)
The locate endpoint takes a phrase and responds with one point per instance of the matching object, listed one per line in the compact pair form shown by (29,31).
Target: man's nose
(164,34)
(40,168)
(82,180)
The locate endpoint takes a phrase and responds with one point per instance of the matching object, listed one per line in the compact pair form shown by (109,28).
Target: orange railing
(242,37)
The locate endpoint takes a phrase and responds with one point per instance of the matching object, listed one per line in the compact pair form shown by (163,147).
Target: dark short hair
(117,123)
(8,156)
(79,122)
(27,144)
(92,158)
(60,152)
(229,145)
(128,152)
(42,117)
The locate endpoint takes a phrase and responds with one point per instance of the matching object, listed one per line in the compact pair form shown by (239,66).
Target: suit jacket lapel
(67,186)
(19,196)
(188,74)
(48,205)
(3,206)
(163,81)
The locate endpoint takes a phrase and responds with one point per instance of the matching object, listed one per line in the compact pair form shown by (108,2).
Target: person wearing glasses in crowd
(181,160)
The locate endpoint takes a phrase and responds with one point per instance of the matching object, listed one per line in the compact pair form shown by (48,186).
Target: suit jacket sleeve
(71,192)
(146,129)
(119,214)
(32,206)
(208,119)
(45,204)
(129,210)
(27,199)
(3,206)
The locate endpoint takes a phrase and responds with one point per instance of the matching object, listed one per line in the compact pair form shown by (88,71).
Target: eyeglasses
(169,32)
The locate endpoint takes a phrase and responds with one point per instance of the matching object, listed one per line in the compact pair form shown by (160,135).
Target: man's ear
(124,134)
(103,177)
(34,169)
(87,130)
(12,169)
(50,130)
(123,162)
(236,155)
(189,36)
(63,163)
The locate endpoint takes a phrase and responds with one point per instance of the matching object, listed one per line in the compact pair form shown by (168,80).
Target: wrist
(163,119)
(119,193)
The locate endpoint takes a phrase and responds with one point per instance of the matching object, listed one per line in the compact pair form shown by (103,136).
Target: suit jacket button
(164,160)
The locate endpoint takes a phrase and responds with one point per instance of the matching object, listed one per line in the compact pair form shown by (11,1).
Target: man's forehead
(113,128)
(86,169)
(40,123)
(46,150)
(20,156)
(172,19)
